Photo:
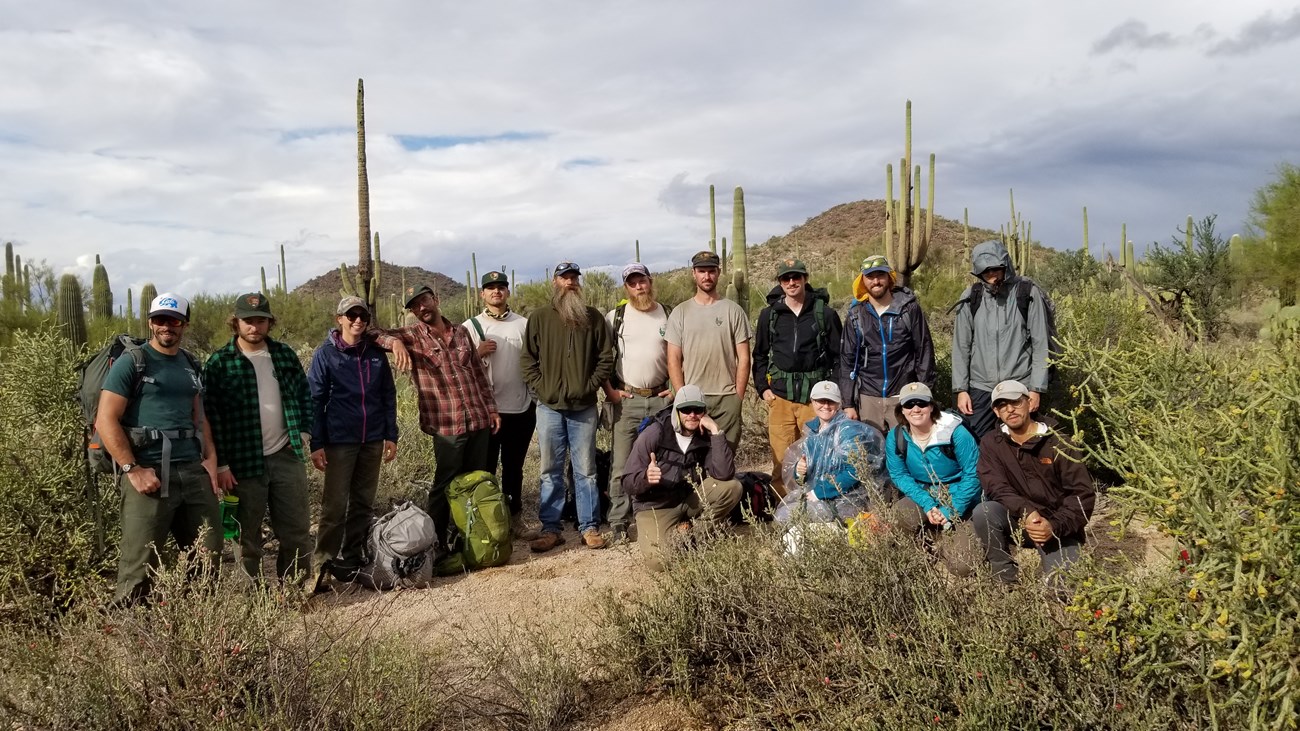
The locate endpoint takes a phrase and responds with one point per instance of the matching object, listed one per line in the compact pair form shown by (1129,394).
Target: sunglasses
(790,278)
(354,315)
(825,402)
(914,404)
(163,321)
(1004,403)
(691,410)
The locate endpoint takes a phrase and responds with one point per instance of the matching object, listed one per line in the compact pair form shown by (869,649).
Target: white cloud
(161,134)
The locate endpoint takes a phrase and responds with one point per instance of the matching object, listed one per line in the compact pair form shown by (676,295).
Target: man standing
(681,468)
(567,357)
(639,386)
(261,411)
(796,344)
(498,334)
(708,345)
(456,404)
(886,344)
(151,422)
(1033,480)
(1001,333)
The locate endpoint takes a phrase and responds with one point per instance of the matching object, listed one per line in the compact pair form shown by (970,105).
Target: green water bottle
(229,523)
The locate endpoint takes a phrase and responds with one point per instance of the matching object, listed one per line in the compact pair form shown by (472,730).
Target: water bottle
(229,521)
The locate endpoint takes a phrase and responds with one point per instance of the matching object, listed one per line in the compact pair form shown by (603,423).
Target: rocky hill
(390,282)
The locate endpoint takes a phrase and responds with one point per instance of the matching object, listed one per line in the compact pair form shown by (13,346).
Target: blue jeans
(570,433)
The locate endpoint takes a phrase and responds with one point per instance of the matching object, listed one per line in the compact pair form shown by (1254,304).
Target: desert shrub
(51,544)
(223,655)
(1205,440)
(876,636)
(1195,282)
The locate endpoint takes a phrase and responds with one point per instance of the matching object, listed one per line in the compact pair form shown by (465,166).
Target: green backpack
(479,510)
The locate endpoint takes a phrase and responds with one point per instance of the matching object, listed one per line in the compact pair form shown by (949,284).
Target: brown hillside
(390,282)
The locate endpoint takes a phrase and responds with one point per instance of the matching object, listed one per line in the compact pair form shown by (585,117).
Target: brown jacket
(1044,474)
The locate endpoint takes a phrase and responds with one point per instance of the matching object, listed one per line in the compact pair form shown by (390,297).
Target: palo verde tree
(1273,258)
(1194,277)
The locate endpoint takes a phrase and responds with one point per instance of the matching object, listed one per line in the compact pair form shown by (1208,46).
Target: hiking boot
(593,538)
(545,542)
(322,583)
(618,535)
(523,531)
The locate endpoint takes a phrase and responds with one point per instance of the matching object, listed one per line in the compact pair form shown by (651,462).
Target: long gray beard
(572,308)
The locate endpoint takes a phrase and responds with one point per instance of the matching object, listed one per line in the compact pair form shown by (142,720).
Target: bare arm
(109,425)
(675,366)
(742,368)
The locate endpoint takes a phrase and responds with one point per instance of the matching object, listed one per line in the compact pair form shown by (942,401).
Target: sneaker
(545,542)
(593,538)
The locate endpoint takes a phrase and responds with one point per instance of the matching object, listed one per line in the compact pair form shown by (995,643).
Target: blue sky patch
(436,142)
(583,162)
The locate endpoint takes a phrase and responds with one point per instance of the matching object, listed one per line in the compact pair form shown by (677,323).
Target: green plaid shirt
(231,404)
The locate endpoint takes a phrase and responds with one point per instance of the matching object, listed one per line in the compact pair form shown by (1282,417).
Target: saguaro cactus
(147,293)
(284,274)
(713,224)
(71,311)
(10,290)
(1016,237)
(638,250)
(1087,252)
(738,288)
(101,294)
(130,310)
(906,241)
(262,271)
(363,203)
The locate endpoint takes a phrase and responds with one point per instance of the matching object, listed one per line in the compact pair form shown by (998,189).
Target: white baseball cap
(826,391)
(170,304)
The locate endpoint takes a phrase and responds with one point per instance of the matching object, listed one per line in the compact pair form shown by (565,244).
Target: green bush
(1205,440)
(839,637)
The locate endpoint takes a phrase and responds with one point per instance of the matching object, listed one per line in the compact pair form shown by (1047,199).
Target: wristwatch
(126,468)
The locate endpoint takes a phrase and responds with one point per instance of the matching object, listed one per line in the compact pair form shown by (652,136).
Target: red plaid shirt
(453,390)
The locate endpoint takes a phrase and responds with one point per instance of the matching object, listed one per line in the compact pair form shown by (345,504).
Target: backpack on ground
(399,550)
(948,450)
(90,382)
(758,500)
(1025,288)
(480,513)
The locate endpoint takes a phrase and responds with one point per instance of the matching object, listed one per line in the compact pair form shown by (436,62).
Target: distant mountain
(390,282)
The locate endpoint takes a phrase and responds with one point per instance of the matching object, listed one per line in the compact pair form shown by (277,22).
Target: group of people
(853,400)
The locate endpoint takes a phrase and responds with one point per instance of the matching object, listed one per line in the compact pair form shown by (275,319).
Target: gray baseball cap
(1009,391)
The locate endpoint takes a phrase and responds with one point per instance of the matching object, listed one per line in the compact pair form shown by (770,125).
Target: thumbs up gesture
(652,473)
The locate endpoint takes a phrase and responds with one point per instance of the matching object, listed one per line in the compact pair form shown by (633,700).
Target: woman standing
(355,427)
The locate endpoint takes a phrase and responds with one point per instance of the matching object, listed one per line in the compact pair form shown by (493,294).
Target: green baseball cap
(495,278)
(414,291)
(791,266)
(253,304)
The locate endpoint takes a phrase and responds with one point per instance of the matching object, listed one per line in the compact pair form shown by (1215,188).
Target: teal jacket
(836,452)
(925,475)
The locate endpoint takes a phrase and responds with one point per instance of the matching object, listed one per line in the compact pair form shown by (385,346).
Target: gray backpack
(399,551)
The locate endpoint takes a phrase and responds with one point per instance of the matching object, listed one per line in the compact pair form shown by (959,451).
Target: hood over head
(990,255)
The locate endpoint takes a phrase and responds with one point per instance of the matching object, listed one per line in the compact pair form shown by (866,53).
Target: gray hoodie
(997,344)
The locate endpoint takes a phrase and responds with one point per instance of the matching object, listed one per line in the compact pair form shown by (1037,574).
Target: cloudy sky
(184,141)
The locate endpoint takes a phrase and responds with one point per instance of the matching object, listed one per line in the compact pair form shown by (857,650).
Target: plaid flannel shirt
(232,408)
(450,383)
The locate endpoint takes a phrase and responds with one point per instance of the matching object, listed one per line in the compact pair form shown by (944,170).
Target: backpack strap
(478,328)
(900,443)
(620,311)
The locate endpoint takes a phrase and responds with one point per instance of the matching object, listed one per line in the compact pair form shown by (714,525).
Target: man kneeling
(1033,480)
(681,468)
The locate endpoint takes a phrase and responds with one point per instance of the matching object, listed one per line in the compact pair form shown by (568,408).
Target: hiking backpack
(90,382)
(480,513)
(399,550)
(819,314)
(1024,293)
(948,450)
(757,499)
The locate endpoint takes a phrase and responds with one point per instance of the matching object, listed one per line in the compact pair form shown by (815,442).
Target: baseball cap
(170,304)
(689,395)
(253,304)
(915,392)
(348,303)
(705,259)
(876,263)
(791,266)
(414,291)
(495,278)
(1009,391)
(635,268)
(826,390)
(565,267)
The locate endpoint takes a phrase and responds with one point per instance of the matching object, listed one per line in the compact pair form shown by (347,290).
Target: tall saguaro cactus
(10,288)
(147,294)
(1086,251)
(130,310)
(738,288)
(363,203)
(71,311)
(713,224)
(906,240)
(101,294)
(284,274)
(1016,236)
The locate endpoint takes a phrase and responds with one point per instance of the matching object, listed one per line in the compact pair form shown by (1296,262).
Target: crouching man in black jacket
(681,469)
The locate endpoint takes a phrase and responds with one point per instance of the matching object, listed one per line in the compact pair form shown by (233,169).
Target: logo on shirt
(718,321)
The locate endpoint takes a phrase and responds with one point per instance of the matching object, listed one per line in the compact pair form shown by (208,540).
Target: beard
(571,306)
(642,302)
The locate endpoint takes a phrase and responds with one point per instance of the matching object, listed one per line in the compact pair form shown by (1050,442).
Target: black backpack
(757,498)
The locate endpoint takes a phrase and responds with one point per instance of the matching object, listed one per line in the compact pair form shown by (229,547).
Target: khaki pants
(711,501)
(725,410)
(877,411)
(784,427)
(957,547)
(628,414)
